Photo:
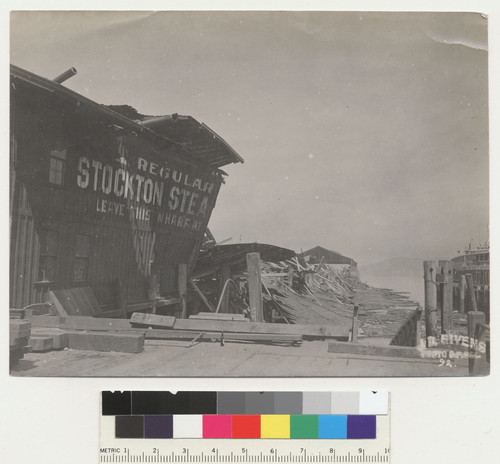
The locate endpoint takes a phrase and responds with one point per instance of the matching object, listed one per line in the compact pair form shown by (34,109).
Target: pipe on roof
(64,76)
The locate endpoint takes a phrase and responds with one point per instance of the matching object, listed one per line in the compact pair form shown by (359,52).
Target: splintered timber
(185,204)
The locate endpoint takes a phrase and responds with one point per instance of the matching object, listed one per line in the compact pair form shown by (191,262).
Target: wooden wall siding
(116,253)
(121,247)
(24,261)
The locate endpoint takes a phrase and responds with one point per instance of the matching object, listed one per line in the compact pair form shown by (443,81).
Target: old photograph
(249,194)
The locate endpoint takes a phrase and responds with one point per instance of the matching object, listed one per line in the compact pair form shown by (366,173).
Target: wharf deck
(174,358)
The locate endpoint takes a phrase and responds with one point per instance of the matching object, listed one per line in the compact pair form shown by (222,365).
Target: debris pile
(327,293)
(299,300)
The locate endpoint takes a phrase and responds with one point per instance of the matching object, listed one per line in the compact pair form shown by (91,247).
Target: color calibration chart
(244,427)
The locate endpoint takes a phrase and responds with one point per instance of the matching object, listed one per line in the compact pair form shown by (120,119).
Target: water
(414,285)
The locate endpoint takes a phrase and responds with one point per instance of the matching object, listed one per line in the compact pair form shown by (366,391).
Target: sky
(365,133)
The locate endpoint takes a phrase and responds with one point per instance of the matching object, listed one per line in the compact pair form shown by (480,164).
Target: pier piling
(255,287)
(461,302)
(470,285)
(447,296)
(430,271)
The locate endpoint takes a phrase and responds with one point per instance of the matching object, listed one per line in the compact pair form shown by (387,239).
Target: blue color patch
(332,426)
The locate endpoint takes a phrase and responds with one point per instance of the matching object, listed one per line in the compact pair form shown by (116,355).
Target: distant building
(319,254)
(100,200)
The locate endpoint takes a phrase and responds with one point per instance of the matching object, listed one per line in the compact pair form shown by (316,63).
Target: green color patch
(305,426)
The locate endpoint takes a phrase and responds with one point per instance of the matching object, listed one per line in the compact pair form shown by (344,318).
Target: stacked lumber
(311,309)
(48,339)
(385,311)
(249,331)
(327,294)
(15,313)
(19,336)
(44,339)
(221,337)
(125,335)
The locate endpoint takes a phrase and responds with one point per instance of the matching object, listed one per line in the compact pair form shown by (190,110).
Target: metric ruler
(244,451)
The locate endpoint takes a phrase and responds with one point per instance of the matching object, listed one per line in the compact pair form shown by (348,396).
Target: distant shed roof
(196,141)
(328,256)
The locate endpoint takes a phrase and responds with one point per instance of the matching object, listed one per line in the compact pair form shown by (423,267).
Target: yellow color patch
(275,426)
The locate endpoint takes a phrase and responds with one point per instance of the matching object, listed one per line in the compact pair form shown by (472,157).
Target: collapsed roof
(235,254)
(196,141)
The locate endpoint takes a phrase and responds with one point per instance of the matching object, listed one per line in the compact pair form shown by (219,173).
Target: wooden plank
(41,343)
(151,320)
(94,323)
(59,338)
(81,323)
(103,324)
(156,334)
(46,321)
(160,334)
(98,341)
(78,301)
(309,330)
(255,287)
(254,337)
(114,313)
(220,317)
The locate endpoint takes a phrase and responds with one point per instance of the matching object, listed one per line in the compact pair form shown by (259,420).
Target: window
(56,168)
(82,254)
(48,253)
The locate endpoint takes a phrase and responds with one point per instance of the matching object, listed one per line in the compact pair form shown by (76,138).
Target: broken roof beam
(68,94)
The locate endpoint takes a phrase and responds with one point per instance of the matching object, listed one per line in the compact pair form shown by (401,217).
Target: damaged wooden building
(105,205)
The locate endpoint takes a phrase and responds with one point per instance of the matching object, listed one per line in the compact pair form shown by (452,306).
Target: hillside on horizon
(394,266)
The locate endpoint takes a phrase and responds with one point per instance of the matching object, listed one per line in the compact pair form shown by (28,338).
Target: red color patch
(246,426)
